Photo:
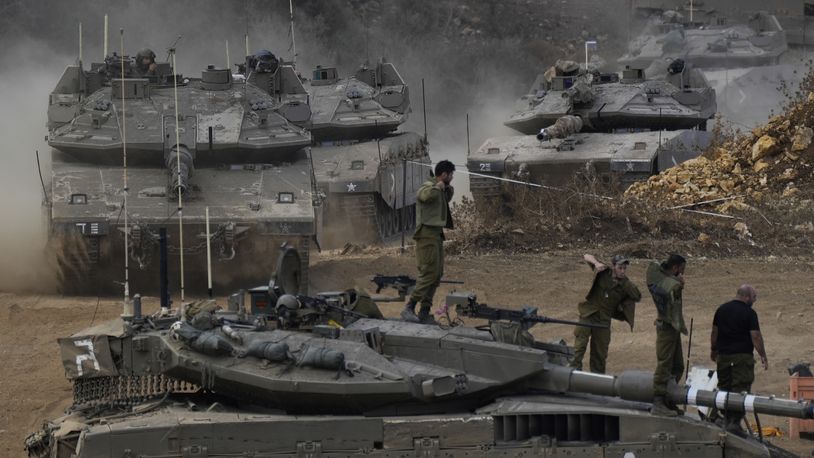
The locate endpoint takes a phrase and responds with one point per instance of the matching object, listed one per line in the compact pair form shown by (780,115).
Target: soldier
(432,217)
(666,284)
(735,335)
(612,295)
(145,62)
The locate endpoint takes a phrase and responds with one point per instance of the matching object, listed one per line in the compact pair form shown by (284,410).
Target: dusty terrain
(33,386)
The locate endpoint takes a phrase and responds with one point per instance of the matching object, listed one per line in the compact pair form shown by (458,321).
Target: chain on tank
(127,390)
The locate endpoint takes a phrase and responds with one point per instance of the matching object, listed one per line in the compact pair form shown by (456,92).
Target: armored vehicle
(314,376)
(709,41)
(219,144)
(549,161)
(605,102)
(367,170)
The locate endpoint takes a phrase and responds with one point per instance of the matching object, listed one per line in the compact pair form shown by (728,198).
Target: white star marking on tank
(351,187)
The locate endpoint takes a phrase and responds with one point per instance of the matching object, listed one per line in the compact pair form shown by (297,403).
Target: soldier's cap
(619,259)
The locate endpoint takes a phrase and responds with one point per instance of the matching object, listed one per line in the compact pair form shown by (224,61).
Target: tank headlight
(285,197)
(79,199)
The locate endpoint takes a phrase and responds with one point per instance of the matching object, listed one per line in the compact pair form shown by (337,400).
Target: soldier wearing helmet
(145,63)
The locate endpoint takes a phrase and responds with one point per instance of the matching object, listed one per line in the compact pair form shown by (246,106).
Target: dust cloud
(24,89)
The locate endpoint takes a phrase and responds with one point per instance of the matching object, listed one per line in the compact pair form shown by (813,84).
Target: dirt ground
(33,386)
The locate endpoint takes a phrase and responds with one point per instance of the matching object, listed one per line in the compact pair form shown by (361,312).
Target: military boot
(661,409)
(425,317)
(673,406)
(408,314)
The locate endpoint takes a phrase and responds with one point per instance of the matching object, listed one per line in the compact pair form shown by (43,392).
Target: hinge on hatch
(663,442)
(426,447)
(311,449)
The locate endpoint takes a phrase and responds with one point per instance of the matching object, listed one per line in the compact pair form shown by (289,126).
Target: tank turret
(157,380)
(608,103)
(221,144)
(709,41)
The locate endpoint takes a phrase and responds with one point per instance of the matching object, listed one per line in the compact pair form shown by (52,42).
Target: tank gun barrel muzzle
(638,386)
(179,161)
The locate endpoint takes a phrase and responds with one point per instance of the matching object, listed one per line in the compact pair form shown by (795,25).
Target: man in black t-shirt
(735,336)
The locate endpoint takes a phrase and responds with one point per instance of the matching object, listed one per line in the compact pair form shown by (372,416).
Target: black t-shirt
(734,321)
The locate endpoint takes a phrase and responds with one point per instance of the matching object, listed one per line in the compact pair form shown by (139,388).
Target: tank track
(123,391)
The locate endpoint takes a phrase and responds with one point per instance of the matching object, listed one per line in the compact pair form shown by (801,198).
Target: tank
(368,171)
(309,376)
(235,152)
(710,40)
(553,162)
(606,102)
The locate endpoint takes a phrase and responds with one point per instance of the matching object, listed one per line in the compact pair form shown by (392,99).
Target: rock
(779,315)
(790,191)
(742,230)
(802,138)
(765,146)
(703,238)
(518,231)
(760,165)
(805,227)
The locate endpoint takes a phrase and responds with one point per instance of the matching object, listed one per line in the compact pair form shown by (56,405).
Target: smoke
(24,89)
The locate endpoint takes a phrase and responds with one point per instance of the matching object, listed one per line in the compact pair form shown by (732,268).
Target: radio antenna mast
(127,307)
(293,43)
(178,166)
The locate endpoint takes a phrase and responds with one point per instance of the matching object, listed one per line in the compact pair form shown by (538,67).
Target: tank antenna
(293,43)
(467,135)
(128,311)
(105,39)
(178,166)
(247,42)
(80,45)
(228,62)
(208,257)
(424,109)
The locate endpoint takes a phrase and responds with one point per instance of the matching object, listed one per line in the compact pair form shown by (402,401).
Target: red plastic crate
(801,388)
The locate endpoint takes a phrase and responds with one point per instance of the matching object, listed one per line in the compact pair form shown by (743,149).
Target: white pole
(208,257)
(80,44)
(105,39)
(128,310)
(228,63)
(586,56)
(293,43)
(247,44)
(178,165)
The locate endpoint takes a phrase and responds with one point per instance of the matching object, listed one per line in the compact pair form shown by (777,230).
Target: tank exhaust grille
(559,427)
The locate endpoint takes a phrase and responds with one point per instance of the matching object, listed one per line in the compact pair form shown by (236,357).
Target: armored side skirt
(509,428)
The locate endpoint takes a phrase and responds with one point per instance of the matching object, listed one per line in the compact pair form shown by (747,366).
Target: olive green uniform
(607,299)
(667,291)
(432,216)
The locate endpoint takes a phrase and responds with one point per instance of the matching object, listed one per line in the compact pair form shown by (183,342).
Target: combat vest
(432,206)
(666,290)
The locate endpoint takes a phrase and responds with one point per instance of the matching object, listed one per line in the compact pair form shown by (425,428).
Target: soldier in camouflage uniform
(666,284)
(735,335)
(612,295)
(432,217)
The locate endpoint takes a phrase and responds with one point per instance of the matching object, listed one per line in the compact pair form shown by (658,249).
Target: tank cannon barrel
(638,386)
(179,161)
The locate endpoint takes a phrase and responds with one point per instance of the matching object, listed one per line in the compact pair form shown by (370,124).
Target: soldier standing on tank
(666,284)
(432,217)
(612,295)
(734,338)
(145,62)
